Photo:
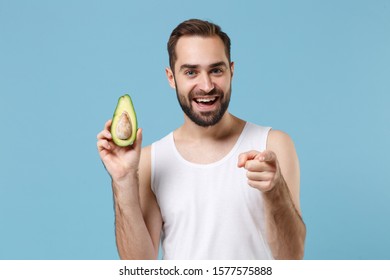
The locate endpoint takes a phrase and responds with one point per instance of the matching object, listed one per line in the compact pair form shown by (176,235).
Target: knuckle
(251,183)
(100,143)
(249,175)
(250,164)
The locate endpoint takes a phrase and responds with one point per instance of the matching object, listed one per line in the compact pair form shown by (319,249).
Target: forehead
(200,50)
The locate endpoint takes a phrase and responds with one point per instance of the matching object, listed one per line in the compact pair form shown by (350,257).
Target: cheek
(223,83)
(184,88)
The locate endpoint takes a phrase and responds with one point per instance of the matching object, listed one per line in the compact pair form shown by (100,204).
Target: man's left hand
(263,169)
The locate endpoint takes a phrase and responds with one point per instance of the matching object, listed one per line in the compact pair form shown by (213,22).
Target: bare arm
(137,216)
(275,172)
(286,230)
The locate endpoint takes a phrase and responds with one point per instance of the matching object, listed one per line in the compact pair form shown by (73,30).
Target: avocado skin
(124,104)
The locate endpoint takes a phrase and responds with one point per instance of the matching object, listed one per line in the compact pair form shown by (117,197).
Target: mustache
(200,93)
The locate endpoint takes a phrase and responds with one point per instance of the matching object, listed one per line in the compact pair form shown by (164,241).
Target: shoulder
(279,140)
(279,135)
(283,146)
(146,151)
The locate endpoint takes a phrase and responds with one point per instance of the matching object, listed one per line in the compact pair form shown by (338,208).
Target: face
(202,79)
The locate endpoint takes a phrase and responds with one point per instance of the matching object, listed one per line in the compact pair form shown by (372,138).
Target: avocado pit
(123,128)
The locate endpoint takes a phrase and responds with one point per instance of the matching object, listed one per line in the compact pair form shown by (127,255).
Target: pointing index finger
(244,157)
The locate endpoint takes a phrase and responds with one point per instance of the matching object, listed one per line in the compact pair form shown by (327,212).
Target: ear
(232,68)
(170,77)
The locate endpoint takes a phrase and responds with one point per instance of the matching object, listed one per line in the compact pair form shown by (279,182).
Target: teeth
(205,100)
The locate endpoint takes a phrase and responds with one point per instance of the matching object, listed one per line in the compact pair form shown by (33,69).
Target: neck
(227,126)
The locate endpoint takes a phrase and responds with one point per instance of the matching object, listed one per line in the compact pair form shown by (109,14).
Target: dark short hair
(195,27)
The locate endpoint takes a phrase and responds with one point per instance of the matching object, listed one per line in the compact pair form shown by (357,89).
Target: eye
(216,71)
(190,73)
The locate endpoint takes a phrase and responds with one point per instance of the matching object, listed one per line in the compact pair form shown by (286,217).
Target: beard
(208,118)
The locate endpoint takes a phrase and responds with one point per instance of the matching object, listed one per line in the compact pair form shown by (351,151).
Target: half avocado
(124,122)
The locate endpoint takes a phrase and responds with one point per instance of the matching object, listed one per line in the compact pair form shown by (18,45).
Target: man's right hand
(120,162)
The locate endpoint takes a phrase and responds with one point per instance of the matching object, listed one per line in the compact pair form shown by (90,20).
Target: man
(215,188)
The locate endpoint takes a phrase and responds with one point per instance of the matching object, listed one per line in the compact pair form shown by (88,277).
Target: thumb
(244,157)
(137,145)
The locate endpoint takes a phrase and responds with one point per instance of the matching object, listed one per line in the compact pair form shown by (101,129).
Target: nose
(206,84)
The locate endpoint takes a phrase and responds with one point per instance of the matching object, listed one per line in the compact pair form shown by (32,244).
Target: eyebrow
(194,66)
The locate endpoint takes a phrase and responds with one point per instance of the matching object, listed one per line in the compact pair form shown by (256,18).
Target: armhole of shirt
(153,167)
(267,130)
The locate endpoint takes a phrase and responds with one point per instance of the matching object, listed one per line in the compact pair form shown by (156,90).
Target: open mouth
(206,101)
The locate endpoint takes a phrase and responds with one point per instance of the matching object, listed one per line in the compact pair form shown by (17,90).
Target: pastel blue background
(319,70)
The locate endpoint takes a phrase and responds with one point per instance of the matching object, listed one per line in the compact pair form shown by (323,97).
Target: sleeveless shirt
(209,211)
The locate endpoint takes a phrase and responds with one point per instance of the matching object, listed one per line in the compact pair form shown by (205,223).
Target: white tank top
(208,210)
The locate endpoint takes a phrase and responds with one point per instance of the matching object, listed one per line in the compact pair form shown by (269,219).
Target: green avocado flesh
(124,122)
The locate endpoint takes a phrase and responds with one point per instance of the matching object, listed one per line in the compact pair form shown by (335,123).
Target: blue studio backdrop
(318,70)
